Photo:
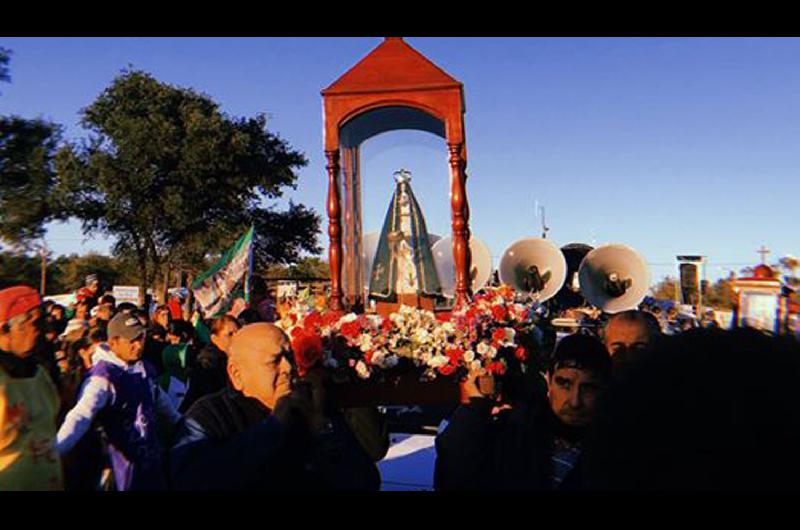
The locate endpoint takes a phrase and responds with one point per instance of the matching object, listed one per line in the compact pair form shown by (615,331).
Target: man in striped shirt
(530,444)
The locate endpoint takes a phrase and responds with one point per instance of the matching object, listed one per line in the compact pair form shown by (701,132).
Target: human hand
(478,384)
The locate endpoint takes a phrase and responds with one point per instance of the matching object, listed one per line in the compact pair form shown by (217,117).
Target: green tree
(17,268)
(719,295)
(307,268)
(666,289)
(175,180)
(27,173)
(71,271)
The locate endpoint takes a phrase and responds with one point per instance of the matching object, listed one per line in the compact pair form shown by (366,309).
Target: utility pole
(545,228)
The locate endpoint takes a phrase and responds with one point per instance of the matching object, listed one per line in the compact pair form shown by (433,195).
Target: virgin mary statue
(403,261)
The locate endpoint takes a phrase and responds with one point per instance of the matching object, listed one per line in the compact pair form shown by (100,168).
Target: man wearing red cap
(29,400)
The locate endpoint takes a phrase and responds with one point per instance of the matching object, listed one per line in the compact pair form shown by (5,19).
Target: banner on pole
(215,289)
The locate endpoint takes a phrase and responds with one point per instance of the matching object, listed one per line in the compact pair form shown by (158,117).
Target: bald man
(257,433)
(629,333)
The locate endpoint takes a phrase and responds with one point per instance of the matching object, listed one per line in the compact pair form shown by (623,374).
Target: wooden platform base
(411,300)
(403,388)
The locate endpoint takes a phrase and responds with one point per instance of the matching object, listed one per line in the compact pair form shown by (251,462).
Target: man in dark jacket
(535,444)
(208,372)
(264,432)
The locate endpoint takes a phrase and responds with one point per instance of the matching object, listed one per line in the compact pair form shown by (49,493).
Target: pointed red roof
(393,65)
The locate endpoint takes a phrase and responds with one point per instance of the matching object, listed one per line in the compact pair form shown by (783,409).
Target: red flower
(312,321)
(330,318)
(296,332)
(307,348)
(368,356)
(521,353)
(447,369)
(455,355)
(350,330)
(499,335)
(386,325)
(292,318)
(496,367)
(499,313)
(444,316)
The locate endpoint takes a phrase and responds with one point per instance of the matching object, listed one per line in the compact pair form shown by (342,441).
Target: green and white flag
(216,288)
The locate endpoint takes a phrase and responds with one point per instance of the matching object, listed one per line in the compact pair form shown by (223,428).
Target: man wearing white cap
(123,388)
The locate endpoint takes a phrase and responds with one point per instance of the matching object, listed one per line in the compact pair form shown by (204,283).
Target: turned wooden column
(334,230)
(460,217)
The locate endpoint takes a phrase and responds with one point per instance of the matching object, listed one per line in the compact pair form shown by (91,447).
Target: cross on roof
(763,251)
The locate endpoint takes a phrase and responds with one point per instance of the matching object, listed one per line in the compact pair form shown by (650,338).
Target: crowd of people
(108,396)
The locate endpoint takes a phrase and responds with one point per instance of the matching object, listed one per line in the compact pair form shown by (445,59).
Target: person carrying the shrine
(536,444)
(264,430)
(121,393)
(630,333)
(29,401)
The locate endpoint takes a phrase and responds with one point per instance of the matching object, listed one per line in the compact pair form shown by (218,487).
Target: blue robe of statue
(403,261)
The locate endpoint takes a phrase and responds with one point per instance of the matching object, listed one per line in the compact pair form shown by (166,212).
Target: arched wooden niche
(393,88)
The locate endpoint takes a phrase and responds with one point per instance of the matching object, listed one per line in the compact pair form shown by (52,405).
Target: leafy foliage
(304,269)
(27,172)
(176,180)
(27,178)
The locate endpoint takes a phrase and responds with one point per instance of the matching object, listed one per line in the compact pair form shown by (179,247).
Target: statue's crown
(402,176)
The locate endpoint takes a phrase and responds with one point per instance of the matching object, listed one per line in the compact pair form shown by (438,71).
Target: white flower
(349,317)
(482,348)
(469,356)
(364,342)
(438,360)
(421,335)
(475,366)
(492,352)
(448,327)
(510,334)
(362,370)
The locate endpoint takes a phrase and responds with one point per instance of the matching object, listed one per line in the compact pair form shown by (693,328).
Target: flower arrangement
(484,336)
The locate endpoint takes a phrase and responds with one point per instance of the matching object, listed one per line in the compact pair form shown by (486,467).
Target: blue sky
(670,145)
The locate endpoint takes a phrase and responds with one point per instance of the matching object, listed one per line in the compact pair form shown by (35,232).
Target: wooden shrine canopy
(394,87)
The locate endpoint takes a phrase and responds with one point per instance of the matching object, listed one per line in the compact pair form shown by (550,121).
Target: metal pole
(700,286)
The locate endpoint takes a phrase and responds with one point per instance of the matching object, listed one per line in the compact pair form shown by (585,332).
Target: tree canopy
(174,179)
(27,178)
(27,173)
